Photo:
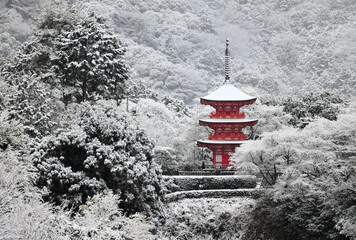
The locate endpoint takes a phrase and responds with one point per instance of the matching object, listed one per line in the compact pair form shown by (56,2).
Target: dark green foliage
(311,106)
(75,53)
(72,57)
(296,217)
(104,150)
(306,108)
(137,90)
(89,61)
(35,105)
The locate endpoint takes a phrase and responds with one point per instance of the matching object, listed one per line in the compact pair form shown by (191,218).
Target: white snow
(224,120)
(221,142)
(228,92)
(208,176)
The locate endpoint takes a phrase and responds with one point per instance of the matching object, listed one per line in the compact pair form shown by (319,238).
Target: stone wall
(186,183)
(219,193)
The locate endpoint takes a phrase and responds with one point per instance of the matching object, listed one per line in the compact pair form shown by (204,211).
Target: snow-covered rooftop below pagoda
(212,142)
(227,120)
(228,93)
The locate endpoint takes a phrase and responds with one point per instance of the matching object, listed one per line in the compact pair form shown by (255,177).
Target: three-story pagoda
(227,121)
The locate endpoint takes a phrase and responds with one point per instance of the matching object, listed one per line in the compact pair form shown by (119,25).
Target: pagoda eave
(212,101)
(219,143)
(227,121)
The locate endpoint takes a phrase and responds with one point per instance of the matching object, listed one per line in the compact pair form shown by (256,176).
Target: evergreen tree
(72,57)
(75,53)
(35,105)
(103,150)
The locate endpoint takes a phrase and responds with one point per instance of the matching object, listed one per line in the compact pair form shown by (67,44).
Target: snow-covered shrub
(100,218)
(207,218)
(185,183)
(23,215)
(102,149)
(167,158)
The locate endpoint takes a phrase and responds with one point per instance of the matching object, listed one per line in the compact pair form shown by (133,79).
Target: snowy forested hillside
(277,46)
(99,100)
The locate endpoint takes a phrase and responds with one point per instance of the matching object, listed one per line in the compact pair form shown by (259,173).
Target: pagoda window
(235,109)
(228,110)
(219,131)
(228,131)
(220,109)
(236,131)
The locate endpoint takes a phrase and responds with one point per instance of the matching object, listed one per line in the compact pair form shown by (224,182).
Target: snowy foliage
(22,213)
(186,183)
(177,46)
(276,46)
(206,218)
(95,159)
(74,52)
(5,90)
(103,149)
(177,131)
(89,60)
(11,133)
(311,106)
(35,105)
(100,218)
(168,159)
(270,118)
(313,173)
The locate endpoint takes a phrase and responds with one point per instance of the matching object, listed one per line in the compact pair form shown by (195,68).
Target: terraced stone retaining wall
(186,183)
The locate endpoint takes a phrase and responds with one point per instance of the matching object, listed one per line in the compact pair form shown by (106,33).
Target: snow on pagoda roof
(229,120)
(228,93)
(213,142)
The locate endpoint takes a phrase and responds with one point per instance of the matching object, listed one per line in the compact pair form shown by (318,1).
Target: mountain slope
(279,46)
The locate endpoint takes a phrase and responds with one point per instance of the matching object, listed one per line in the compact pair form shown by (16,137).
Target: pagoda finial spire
(227,62)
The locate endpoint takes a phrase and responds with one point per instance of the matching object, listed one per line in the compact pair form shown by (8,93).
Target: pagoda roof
(217,142)
(228,93)
(227,121)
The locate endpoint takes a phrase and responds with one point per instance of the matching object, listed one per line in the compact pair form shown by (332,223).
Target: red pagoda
(227,121)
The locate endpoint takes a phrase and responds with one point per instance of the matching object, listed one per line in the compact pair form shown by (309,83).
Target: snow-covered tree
(36,105)
(4,93)
(311,106)
(72,57)
(89,60)
(11,133)
(74,52)
(168,158)
(313,176)
(101,149)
